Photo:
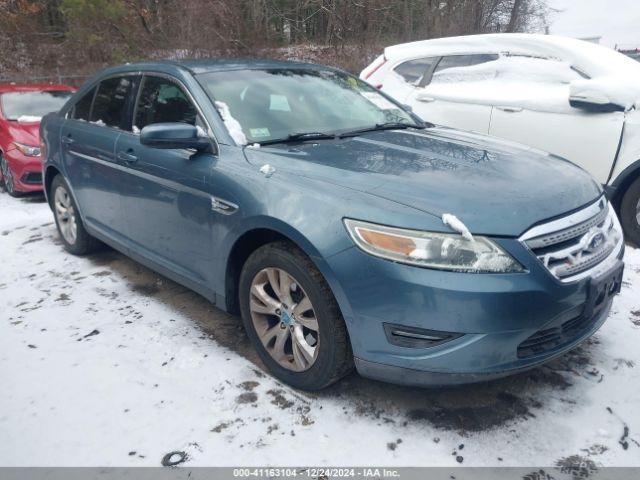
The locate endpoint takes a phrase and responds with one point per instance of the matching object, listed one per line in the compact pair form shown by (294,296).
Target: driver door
(167,200)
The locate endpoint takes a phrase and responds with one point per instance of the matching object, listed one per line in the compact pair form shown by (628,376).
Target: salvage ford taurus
(342,228)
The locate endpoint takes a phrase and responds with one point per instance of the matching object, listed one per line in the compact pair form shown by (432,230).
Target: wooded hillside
(66,37)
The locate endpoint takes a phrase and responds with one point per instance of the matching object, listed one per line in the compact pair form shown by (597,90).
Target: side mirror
(595,104)
(599,95)
(174,136)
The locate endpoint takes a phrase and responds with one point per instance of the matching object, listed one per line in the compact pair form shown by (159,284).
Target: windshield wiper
(381,126)
(292,137)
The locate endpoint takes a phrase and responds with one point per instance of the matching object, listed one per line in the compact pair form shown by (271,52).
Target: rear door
(167,201)
(88,143)
(447,94)
(543,118)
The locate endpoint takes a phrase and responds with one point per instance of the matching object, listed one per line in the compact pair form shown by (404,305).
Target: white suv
(571,98)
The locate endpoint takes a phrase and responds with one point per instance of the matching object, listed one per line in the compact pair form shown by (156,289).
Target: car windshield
(33,104)
(298,103)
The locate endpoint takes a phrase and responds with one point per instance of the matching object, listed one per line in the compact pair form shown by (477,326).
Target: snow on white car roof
(594,60)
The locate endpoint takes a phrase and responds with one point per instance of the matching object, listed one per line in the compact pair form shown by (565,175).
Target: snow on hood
(28,119)
(233,126)
(456,224)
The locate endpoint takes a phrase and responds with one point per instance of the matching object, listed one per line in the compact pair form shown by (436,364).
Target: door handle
(510,109)
(68,140)
(425,99)
(127,157)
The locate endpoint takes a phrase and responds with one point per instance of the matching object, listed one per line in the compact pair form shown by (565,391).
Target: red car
(21,107)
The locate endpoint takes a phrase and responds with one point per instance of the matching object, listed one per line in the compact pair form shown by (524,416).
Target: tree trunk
(514,20)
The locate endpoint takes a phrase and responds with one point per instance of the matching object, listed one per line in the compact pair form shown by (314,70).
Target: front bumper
(26,171)
(495,313)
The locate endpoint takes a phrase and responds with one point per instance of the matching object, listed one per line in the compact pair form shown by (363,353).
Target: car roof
(485,43)
(591,58)
(207,65)
(33,87)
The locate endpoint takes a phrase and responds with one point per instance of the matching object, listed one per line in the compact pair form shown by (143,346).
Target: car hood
(495,187)
(25,133)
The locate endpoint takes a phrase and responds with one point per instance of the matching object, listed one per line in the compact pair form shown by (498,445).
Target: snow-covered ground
(103,362)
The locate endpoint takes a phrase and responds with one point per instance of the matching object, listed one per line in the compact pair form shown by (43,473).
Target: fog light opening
(414,337)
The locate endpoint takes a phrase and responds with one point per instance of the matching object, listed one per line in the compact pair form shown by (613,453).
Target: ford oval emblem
(596,241)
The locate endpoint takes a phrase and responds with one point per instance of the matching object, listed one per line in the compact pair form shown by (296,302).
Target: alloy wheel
(638,212)
(66,215)
(284,319)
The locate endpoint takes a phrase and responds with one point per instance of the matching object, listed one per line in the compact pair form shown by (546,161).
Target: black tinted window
(111,100)
(82,108)
(413,70)
(162,100)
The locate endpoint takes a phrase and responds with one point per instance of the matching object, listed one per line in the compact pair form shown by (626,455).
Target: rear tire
(327,334)
(74,236)
(630,212)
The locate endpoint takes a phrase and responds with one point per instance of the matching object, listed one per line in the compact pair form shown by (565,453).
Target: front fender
(305,210)
(286,230)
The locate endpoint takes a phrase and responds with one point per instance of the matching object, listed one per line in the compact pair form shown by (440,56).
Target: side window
(82,108)
(413,70)
(539,70)
(162,100)
(111,101)
(444,72)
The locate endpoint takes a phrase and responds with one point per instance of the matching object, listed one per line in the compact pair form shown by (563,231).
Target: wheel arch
(623,181)
(262,233)
(49,174)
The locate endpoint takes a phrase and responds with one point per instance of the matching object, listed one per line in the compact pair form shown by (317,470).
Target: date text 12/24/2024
(314,472)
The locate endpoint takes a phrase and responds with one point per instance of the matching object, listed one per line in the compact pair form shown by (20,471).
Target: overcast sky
(616,21)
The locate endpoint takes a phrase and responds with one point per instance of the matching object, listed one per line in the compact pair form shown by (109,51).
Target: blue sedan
(345,231)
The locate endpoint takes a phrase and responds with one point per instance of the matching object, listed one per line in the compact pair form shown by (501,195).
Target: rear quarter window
(82,109)
(413,71)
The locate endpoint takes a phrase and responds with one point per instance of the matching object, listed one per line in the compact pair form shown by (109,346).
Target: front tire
(7,178)
(630,212)
(292,318)
(75,238)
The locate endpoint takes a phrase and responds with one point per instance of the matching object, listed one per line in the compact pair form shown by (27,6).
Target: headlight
(443,251)
(28,150)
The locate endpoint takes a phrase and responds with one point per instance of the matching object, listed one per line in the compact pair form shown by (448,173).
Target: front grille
(556,337)
(567,234)
(32,178)
(573,245)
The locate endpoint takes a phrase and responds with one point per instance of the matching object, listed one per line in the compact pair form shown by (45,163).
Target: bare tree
(83,35)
